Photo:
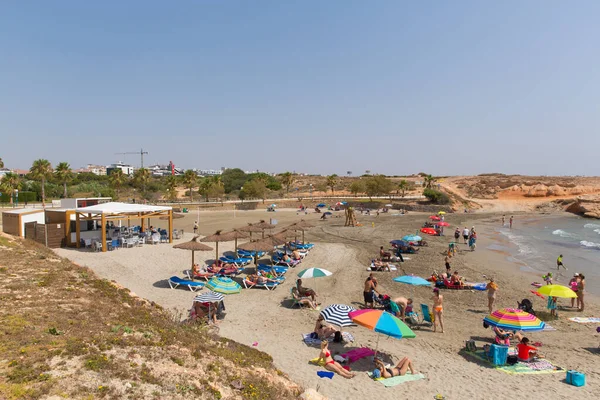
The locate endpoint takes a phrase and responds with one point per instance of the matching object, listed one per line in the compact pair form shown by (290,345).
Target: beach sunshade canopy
(321,205)
(250,228)
(237,234)
(441,212)
(303,224)
(557,291)
(382,322)
(175,216)
(266,244)
(264,225)
(313,273)
(327,213)
(412,238)
(515,320)
(209,297)
(434,218)
(388,205)
(337,314)
(399,242)
(444,223)
(219,236)
(193,245)
(223,285)
(120,208)
(412,280)
(429,231)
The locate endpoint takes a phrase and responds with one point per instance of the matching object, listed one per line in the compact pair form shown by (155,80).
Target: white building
(126,168)
(97,169)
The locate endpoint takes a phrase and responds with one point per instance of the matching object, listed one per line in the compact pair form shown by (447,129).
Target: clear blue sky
(395,87)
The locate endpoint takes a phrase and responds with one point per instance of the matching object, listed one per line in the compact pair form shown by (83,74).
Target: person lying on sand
(400,369)
(377,265)
(262,279)
(331,364)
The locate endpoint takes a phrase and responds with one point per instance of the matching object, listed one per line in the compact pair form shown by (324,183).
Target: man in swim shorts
(559,262)
(370,287)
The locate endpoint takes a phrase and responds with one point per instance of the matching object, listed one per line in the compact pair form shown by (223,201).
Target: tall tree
(357,187)
(255,188)
(9,183)
(429,180)
(190,180)
(331,182)
(1,163)
(204,188)
(171,186)
(41,170)
(377,185)
(403,186)
(141,177)
(64,174)
(217,189)
(117,179)
(287,180)
(233,179)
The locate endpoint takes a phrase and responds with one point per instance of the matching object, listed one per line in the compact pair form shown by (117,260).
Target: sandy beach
(266,317)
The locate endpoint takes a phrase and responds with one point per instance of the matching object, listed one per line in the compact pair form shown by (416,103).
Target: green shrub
(436,196)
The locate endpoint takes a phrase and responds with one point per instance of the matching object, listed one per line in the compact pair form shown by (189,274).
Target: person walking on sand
(466,233)
(438,309)
(456,235)
(510,221)
(492,288)
(448,267)
(559,263)
(195,227)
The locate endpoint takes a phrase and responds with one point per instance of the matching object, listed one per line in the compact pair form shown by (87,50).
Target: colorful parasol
(382,322)
(557,291)
(313,273)
(444,223)
(412,238)
(514,320)
(435,218)
(224,285)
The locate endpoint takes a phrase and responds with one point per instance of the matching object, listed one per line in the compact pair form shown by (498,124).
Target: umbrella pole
(236,253)
(302,237)
(217,252)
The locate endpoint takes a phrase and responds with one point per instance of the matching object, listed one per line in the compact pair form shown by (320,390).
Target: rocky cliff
(587,206)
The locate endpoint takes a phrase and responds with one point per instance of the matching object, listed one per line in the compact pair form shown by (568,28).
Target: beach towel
(541,366)
(585,320)
(548,328)
(396,380)
(357,354)
(347,336)
(325,374)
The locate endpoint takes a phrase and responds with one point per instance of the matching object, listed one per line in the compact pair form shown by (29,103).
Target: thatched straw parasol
(217,237)
(304,224)
(301,226)
(237,234)
(175,216)
(250,228)
(193,245)
(264,225)
(266,244)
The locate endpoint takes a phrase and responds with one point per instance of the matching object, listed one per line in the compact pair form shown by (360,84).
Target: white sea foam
(564,234)
(597,231)
(591,226)
(590,245)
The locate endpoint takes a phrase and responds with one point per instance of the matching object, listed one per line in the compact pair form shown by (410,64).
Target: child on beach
(552,306)
(548,278)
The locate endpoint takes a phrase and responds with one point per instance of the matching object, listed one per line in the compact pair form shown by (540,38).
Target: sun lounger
(175,281)
(206,276)
(267,285)
(239,262)
(267,268)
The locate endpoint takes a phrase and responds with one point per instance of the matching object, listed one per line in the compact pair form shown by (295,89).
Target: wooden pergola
(108,212)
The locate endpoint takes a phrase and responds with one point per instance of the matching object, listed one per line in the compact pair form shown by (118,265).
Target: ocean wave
(597,231)
(564,234)
(590,245)
(590,226)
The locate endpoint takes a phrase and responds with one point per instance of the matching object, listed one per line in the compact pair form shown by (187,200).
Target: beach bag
(512,360)
(470,345)
(575,378)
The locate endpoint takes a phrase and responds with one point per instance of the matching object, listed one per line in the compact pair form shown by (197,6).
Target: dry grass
(65,332)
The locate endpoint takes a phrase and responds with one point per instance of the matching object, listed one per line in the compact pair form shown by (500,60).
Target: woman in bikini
(438,309)
(331,364)
(399,370)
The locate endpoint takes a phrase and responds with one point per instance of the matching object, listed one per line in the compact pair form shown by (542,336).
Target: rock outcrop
(587,206)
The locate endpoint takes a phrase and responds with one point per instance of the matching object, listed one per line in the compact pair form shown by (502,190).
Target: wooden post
(77,230)
(143,226)
(103,220)
(171,226)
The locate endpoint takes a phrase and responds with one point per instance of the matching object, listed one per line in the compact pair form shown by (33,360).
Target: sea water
(538,241)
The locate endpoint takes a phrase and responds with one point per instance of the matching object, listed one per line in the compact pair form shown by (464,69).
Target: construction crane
(141,153)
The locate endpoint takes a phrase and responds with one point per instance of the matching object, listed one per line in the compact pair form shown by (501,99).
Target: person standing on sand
(492,288)
(195,227)
(510,221)
(369,289)
(503,220)
(580,291)
(456,235)
(465,233)
(573,285)
(438,309)
(448,268)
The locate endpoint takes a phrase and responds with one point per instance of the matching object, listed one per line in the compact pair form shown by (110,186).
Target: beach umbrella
(217,237)
(412,238)
(434,218)
(209,297)
(223,285)
(557,291)
(301,226)
(514,320)
(313,273)
(237,234)
(266,244)
(441,212)
(382,322)
(444,223)
(337,314)
(327,213)
(250,228)
(273,205)
(429,231)
(412,280)
(399,242)
(193,245)
(264,225)
(321,205)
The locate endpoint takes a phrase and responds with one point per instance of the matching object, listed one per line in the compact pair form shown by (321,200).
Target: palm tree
(403,186)
(9,183)
(190,178)
(42,170)
(204,188)
(141,177)
(171,184)
(117,179)
(429,181)
(1,163)
(64,174)
(287,179)
(331,182)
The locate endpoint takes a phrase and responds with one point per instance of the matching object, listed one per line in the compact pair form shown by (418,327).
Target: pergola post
(103,221)
(143,229)
(77,230)
(171,226)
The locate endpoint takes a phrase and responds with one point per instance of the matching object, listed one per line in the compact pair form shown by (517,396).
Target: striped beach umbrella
(313,273)
(382,322)
(209,297)
(223,285)
(337,314)
(515,320)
